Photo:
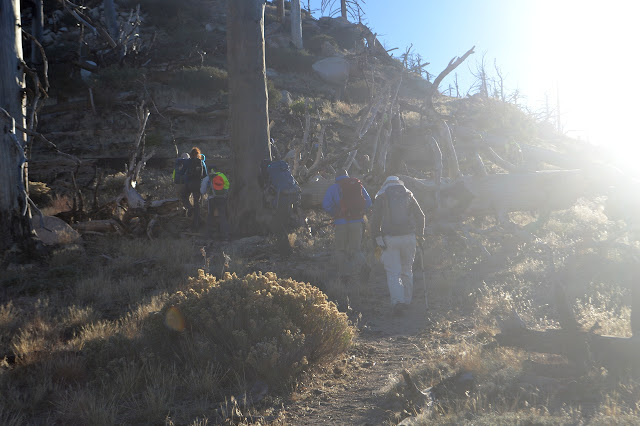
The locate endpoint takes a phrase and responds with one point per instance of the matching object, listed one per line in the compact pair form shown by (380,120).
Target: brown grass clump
(260,325)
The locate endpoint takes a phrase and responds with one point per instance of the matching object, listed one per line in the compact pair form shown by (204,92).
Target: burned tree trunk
(296,24)
(280,7)
(15,217)
(37,25)
(111,19)
(248,101)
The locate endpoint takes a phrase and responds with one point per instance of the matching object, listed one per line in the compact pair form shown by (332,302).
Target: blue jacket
(331,201)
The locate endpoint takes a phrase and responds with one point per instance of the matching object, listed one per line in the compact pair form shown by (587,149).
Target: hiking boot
(399,309)
(365,272)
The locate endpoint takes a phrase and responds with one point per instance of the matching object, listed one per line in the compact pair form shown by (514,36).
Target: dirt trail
(353,390)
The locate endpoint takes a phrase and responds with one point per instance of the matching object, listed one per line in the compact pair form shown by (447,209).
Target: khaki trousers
(348,248)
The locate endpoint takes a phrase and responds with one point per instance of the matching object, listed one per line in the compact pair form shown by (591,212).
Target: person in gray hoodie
(396,222)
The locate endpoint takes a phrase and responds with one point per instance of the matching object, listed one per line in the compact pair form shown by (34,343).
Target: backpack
(195,170)
(396,219)
(352,201)
(180,170)
(281,183)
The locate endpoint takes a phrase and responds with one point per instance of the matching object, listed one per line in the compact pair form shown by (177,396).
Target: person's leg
(196,209)
(211,220)
(184,197)
(340,249)
(392,266)
(407,256)
(355,246)
(223,222)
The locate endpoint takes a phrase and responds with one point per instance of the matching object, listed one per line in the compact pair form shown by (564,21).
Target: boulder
(334,70)
(287,99)
(55,231)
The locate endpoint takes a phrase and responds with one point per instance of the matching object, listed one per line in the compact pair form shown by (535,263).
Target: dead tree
(15,216)
(346,8)
(248,102)
(110,18)
(280,8)
(296,24)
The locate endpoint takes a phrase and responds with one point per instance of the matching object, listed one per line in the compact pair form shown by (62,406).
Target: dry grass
(506,390)
(84,355)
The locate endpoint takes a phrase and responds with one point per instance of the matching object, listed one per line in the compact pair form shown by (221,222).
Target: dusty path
(355,389)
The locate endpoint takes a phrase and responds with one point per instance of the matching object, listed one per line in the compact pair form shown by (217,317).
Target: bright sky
(585,50)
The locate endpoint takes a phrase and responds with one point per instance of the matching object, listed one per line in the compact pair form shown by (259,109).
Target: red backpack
(352,202)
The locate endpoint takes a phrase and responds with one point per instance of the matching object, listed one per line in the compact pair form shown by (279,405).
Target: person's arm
(329,202)
(367,199)
(204,185)
(376,217)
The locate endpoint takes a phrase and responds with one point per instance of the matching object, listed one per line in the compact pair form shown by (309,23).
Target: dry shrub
(260,325)
(59,203)
(114,183)
(201,81)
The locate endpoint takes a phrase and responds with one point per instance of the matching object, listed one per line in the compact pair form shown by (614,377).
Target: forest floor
(356,389)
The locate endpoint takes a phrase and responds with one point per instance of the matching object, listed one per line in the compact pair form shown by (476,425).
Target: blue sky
(584,50)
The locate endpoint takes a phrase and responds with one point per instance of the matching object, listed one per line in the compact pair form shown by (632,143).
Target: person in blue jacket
(347,205)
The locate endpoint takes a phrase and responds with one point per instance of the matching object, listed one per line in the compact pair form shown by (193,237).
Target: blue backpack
(180,171)
(282,182)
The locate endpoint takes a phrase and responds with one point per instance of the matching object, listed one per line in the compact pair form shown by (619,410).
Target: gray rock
(334,70)
(286,98)
(86,74)
(55,231)
(47,39)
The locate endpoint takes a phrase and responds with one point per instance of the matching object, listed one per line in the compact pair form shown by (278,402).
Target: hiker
(195,170)
(396,223)
(216,185)
(179,174)
(281,194)
(347,201)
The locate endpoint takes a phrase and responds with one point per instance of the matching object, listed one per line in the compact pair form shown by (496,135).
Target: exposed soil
(357,389)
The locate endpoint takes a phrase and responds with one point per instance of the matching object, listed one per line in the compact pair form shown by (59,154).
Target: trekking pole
(424,274)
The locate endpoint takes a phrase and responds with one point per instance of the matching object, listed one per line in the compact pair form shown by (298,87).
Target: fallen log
(100,226)
(611,352)
(502,193)
(198,112)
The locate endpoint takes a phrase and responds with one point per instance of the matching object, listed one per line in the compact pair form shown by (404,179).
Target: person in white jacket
(396,222)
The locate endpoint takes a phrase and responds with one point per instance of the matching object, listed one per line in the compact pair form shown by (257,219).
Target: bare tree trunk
(280,6)
(110,18)
(343,8)
(15,217)
(37,23)
(248,101)
(296,24)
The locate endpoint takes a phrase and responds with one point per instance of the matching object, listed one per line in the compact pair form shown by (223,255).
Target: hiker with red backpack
(216,186)
(347,201)
(397,223)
